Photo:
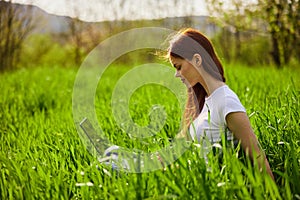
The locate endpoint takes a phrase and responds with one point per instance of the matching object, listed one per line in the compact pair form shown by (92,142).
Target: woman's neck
(209,83)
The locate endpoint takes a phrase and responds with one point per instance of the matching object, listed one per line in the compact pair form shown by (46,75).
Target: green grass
(42,156)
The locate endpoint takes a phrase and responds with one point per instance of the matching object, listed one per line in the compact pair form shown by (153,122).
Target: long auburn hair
(185,44)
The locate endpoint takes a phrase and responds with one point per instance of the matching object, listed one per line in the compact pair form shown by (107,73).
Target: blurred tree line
(250,32)
(262,31)
(15,26)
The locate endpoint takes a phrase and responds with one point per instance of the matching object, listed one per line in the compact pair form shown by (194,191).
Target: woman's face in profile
(185,71)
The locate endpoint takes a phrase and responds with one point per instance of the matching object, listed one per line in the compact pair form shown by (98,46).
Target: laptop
(108,153)
(99,143)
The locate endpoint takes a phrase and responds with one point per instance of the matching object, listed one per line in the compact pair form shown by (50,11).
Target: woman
(212,108)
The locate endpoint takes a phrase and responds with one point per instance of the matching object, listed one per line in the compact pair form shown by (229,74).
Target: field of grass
(42,156)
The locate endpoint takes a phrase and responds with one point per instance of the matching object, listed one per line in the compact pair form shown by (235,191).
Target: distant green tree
(75,33)
(234,17)
(83,36)
(283,18)
(16,23)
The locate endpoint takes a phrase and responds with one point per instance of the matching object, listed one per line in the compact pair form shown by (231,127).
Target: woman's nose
(177,74)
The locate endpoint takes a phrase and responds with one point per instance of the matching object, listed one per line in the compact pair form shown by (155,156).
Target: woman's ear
(197,60)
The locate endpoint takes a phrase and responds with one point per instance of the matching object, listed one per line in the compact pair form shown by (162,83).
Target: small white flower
(84,184)
(89,184)
(221,184)
(217,145)
(197,145)
(106,172)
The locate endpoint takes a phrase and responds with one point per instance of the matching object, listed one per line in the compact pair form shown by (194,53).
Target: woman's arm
(239,124)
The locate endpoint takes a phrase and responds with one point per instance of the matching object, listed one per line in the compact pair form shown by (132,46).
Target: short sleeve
(231,104)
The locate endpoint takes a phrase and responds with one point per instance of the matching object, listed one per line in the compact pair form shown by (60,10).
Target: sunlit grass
(41,155)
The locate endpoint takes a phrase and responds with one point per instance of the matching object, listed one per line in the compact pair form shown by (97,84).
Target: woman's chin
(187,84)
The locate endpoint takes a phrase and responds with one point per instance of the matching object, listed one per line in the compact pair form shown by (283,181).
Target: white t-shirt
(211,122)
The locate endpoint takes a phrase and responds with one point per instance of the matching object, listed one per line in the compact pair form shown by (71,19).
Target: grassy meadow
(42,156)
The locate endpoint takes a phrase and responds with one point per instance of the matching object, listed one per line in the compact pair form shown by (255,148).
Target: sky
(101,10)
